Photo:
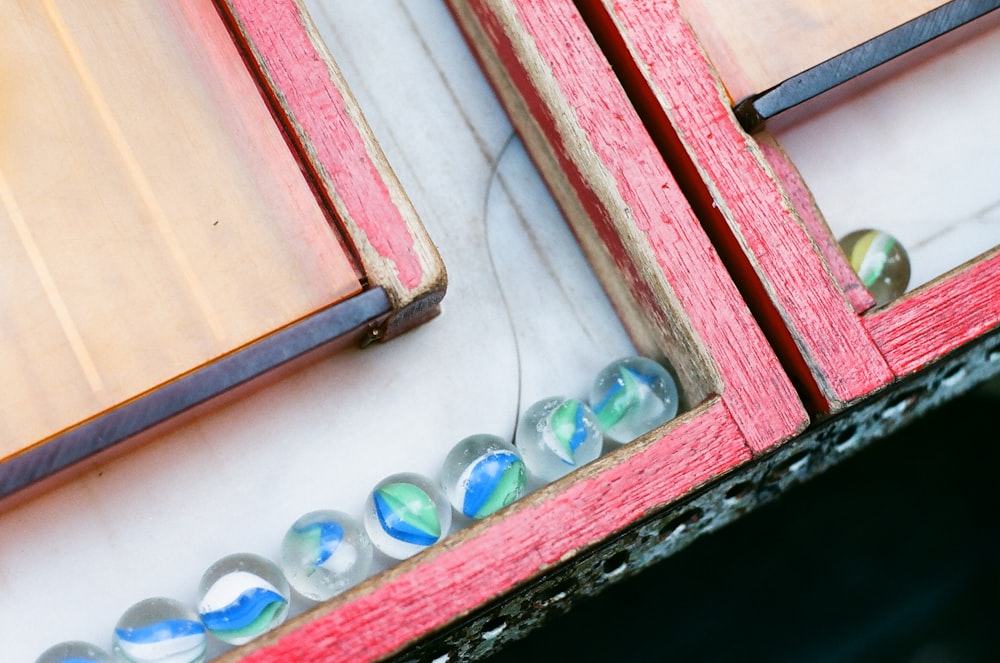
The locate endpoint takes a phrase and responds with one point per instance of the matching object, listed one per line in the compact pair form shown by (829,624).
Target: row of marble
(326,552)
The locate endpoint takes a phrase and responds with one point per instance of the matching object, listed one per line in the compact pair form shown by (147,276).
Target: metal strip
(754,111)
(191,389)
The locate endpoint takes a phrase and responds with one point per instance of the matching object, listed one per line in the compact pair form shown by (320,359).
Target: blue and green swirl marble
(248,616)
(323,537)
(625,394)
(240,606)
(407,513)
(491,482)
(567,430)
(173,640)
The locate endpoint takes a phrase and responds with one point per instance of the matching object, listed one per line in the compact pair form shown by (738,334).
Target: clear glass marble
(159,630)
(482,474)
(74,652)
(632,396)
(325,553)
(405,513)
(557,435)
(241,597)
(880,262)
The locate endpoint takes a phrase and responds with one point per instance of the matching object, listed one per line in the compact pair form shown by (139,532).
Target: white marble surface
(523,318)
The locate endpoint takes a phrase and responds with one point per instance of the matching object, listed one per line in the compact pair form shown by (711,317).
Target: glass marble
(406,513)
(632,396)
(557,435)
(325,553)
(880,262)
(159,630)
(74,652)
(241,597)
(482,474)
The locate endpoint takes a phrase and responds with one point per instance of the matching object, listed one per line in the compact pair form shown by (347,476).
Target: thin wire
(494,181)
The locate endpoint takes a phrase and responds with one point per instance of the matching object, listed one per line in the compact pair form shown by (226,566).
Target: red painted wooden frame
(818,316)
(325,125)
(671,290)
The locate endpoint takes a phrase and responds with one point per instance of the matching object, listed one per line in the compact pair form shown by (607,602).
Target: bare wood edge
(801,198)
(647,322)
(816,332)
(651,318)
(400,258)
(940,316)
(647,306)
(458,576)
(415,305)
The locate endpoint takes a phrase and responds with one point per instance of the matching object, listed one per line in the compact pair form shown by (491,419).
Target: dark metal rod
(192,389)
(754,111)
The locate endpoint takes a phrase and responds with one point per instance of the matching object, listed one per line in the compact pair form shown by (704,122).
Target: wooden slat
(940,317)
(152,215)
(738,195)
(804,204)
(615,190)
(326,124)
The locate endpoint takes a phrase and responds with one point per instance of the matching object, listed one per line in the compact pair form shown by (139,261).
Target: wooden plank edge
(350,321)
(610,180)
(741,202)
(645,300)
(812,218)
(511,548)
(940,316)
(327,128)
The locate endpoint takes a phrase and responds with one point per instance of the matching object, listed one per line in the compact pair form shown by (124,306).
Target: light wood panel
(756,44)
(152,216)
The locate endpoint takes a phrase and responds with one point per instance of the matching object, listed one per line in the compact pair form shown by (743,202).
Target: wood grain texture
(940,317)
(756,44)
(805,206)
(677,90)
(620,197)
(328,127)
(480,563)
(151,215)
